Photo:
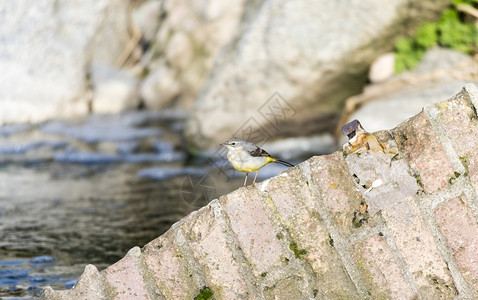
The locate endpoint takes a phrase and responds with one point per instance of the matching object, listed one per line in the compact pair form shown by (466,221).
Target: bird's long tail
(284,163)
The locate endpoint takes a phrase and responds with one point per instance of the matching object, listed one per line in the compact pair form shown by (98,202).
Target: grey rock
(145,17)
(160,88)
(191,34)
(45,47)
(114,90)
(441,58)
(315,54)
(441,74)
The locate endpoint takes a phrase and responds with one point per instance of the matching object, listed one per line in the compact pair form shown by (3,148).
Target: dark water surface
(65,221)
(75,194)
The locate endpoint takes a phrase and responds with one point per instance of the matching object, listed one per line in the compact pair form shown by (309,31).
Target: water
(85,192)
(73,194)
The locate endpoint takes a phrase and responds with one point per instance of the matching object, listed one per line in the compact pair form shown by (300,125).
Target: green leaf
(448,14)
(458,2)
(450,31)
(426,35)
(466,2)
(407,60)
(404,45)
(457,35)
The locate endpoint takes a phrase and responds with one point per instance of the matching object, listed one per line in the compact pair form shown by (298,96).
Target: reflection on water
(78,193)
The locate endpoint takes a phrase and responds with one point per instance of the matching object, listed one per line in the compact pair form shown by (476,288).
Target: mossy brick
(126,277)
(291,199)
(210,246)
(253,229)
(379,270)
(331,176)
(424,153)
(460,229)
(419,250)
(169,269)
(460,121)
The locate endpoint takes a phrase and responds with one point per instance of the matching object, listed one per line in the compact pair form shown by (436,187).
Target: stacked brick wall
(398,224)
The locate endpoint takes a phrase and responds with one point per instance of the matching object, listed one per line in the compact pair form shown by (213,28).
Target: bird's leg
(245,179)
(257,172)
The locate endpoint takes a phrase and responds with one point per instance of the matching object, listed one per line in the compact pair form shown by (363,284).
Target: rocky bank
(396,223)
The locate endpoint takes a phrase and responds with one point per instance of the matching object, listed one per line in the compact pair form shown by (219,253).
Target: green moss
(453,31)
(344,153)
(360,218)
(407,55)
(419,180)
(451,180)
(464,161)
(427,35)
(263,274)
(280,236)
(455,34)
(193,151)
(356,224)
(204,294)
(297,252)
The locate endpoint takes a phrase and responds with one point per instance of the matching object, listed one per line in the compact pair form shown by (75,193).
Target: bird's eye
(233,143)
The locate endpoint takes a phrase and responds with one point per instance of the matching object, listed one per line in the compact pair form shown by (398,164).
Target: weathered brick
(461,125)
(393,176)
(253,229)
(125,276)
(379,270)
(286,288)
(90,285)
(292,200)
(330,174)
(419,250)
(417,142)
(209,243)
(166,263)
(460,229)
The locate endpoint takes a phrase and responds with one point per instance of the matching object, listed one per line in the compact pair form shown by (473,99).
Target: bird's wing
(254,150)
(258,152)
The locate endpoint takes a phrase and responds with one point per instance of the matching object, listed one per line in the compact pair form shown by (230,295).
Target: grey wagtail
(246,157)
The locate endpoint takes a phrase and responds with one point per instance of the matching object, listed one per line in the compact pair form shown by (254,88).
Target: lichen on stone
(297,252)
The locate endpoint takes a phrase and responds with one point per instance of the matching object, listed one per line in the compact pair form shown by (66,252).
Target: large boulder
(46,47)
(190,36)
(314,54)
(441,74)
